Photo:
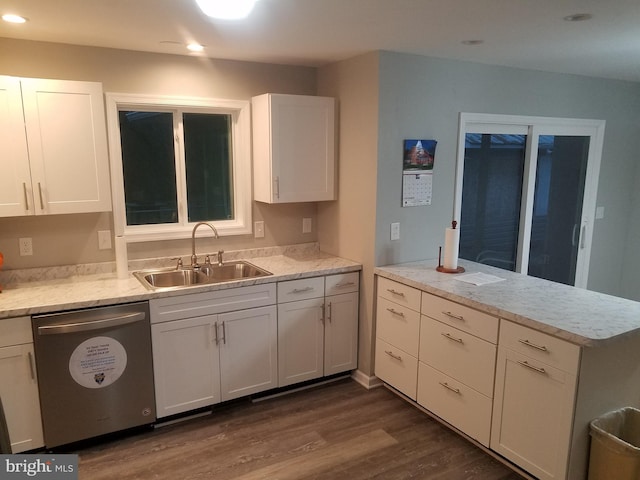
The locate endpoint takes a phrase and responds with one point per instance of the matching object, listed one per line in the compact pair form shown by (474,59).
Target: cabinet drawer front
(15,331)
(399,293)
(398,325)
(209,303)
(540,346)
(464,318)
(302,289)
(397,368)
(460,355)
(454,402)
(342,283)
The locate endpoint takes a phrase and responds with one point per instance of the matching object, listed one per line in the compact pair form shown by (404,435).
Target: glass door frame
(533,127)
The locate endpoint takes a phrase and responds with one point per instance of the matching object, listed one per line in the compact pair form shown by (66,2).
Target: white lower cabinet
(18,385)
(217,355)
(186,365)
(536,377)
(317,327)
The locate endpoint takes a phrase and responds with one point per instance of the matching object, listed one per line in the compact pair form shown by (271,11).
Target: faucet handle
(179,264)
(207,260)
(220,252)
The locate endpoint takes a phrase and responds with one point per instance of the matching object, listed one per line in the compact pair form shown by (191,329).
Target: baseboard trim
(367,381)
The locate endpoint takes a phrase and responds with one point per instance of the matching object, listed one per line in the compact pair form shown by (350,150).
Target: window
(526,192)
(176,162)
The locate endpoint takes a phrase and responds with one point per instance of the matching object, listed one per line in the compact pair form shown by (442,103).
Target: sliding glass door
(525,194)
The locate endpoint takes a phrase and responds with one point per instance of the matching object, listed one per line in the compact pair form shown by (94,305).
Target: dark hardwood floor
(334,431)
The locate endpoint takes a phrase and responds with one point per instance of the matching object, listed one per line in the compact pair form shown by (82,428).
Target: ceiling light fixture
(195,47)
(578,17)
(226,9)
(472,42)
(11,18)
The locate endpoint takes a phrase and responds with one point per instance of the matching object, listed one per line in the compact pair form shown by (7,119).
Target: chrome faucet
(194,258)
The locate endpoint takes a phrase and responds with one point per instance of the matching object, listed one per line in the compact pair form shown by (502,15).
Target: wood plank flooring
(330,432)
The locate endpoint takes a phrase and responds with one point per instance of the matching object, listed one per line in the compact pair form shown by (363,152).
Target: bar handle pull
(452,338)
(301,290)
(92,324)
(449,387)
(395,292)
(526,342)
(26,197)
(32,367)
(532,367)
(392,355)
(395,312)
(456,317)
(41,199)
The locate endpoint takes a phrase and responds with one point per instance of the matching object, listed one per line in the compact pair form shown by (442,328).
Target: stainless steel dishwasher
(95,371)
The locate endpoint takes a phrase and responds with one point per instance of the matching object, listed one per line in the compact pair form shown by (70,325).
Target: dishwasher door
(95,371)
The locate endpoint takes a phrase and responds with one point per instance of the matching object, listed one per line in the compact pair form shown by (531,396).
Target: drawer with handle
(460,316)
(455,402)
(398,325)
(397,368)
(540,346)
(341,283)
(460,355)
(399,293)
(302,289)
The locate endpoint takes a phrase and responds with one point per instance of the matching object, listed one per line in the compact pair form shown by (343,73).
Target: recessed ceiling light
(472,42)
(226,9)
(195,47)
(11,18)
(578,17)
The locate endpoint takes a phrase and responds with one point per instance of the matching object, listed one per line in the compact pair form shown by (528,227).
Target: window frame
(239,110)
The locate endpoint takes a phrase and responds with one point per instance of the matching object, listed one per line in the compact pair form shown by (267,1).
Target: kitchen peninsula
(521,365)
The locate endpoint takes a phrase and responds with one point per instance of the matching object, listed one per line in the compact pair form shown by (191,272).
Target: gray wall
(422,97)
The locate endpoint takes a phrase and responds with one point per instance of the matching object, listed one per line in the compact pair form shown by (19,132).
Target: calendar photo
(419,154)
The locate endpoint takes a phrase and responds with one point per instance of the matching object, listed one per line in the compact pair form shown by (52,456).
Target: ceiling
(519,33)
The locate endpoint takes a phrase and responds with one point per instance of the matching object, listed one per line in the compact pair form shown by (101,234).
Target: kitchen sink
(176,278)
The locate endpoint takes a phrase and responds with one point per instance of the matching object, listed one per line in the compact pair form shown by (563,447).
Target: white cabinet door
(300,341)
(186,364)
(67,140)
(532,414)
(19,393)
(341,333)
(15,180)
(248,351)
(293,148)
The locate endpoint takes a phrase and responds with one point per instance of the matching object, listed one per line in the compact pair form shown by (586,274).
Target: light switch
(395,231)
(599,213)
(258,230)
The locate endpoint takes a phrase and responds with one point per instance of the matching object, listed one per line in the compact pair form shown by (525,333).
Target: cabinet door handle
(31,366)
(26,197)
(452,338)
(41,199)
(344,285)
(395,312)
(302,290)
(276,187)
(322,312)
(395,292)
(451,315)
(329,312)
(392,355)
(215,329)
(224,333)
(526,342)
(532,367)
(449,387)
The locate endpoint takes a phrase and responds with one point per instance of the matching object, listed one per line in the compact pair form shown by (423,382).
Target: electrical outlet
(395,231)
(306,225)
(258,231)
(104,239)
(26,246)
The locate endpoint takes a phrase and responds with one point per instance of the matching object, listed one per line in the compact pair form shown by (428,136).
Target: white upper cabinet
(293,148)
(56,160)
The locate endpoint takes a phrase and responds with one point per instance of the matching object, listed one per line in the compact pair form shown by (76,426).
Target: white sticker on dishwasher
(98,362)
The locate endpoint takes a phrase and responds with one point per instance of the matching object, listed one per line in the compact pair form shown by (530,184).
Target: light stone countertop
(580,316)
(99,289)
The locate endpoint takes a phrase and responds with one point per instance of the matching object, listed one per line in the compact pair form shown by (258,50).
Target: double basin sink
(210,273)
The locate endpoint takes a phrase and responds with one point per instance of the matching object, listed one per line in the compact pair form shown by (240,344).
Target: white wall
(422,97)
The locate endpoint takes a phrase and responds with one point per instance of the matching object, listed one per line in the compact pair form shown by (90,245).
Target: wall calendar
(417,172)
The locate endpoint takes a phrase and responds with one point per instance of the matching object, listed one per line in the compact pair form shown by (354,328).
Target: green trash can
(615,446)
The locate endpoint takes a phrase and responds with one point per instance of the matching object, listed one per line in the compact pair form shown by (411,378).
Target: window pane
(148,163)
(491,193)
(557,208)
(208,165)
